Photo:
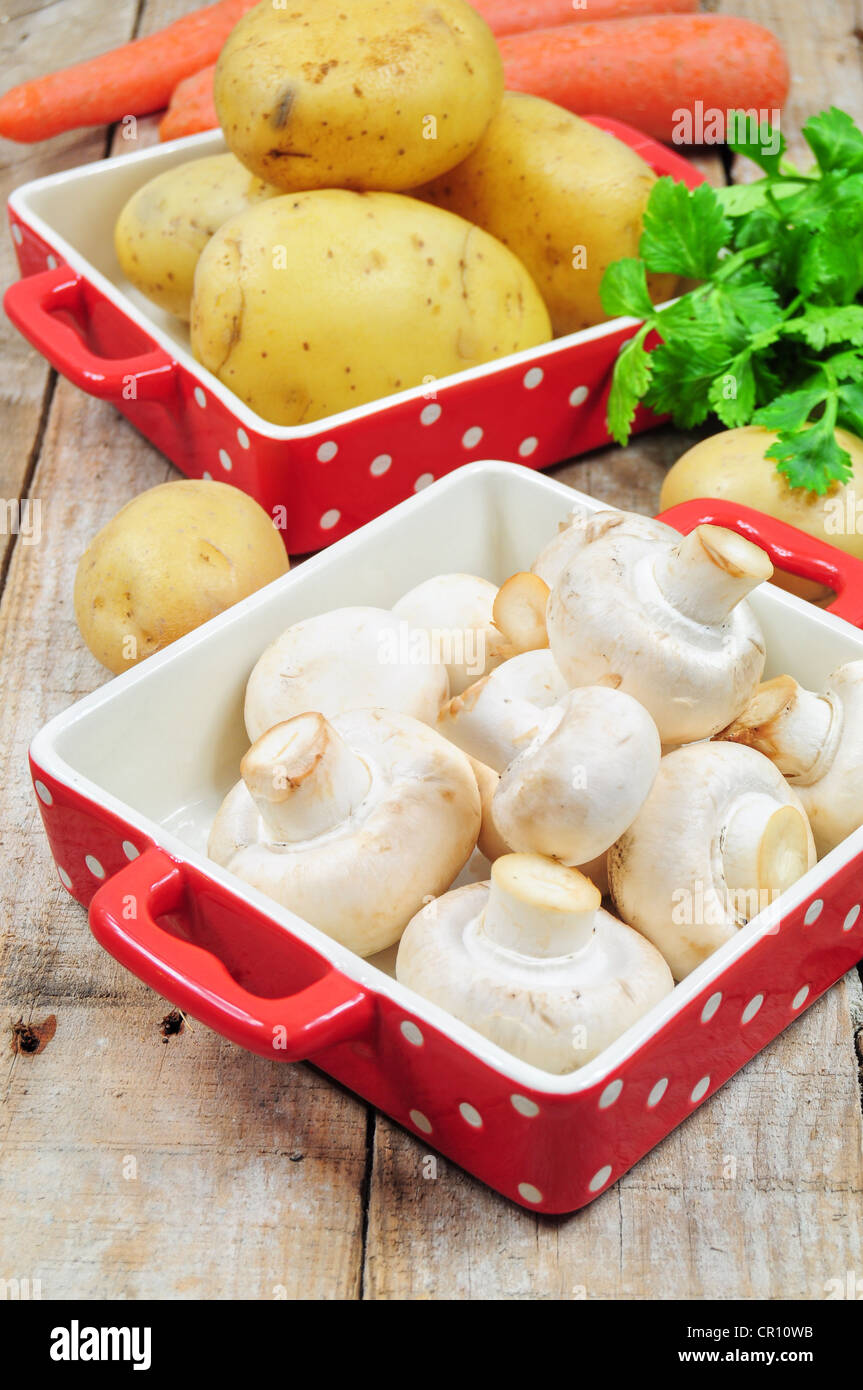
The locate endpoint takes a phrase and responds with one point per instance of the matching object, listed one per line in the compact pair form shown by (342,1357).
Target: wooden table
(132,1165)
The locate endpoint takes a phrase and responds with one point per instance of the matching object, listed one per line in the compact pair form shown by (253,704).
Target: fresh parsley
(773,333)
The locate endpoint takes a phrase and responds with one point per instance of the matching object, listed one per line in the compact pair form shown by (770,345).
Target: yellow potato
(165,226)
(173,557)
(566,197)
(316,302)
(733,465)
(363,94)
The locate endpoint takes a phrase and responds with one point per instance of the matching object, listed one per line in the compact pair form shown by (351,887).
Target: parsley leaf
(835,141)
(624,290)
(632,374)
(812,458)
(684,230)
(823,327)
(747,136)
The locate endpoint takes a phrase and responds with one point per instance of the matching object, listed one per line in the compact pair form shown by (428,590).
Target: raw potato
(165,226)
(566,197)
(364,94)
(316,302)
(173,557)
(733,465)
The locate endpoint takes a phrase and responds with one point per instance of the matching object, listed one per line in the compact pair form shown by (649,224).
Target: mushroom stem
(710,572)
(764,847)
(538,907)
(304,778)
(519,612)
(787,723)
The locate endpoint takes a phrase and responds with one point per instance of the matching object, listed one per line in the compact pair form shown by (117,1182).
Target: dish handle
(333,1009)
(788,547)
(34,303)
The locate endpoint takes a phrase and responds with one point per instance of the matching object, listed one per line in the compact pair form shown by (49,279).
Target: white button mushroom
(496,717)
(531,961)
(583,778)
(352,824)
(666,624)
(586,526)
(350,658)
(816,741)
(720,836)
(456,612)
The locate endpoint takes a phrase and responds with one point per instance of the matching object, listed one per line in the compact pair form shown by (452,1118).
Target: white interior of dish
(75,212)
(161,745)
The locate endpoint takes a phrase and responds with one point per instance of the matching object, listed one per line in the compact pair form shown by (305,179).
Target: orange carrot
(515,16)
(643,71)
(191,108)
(132,80)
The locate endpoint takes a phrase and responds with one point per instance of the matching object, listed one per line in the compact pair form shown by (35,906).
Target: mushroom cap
(554,1012)
(583,778)
(832,793)
(670,871)
(609,623)
(498,716)
(405,842)
(457,610)
(585,527)
(349,658)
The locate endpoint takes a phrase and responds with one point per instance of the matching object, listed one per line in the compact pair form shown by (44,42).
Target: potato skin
(545,182)
(173,557)
(331,94)
(317,302)
(732,465)
(165,226)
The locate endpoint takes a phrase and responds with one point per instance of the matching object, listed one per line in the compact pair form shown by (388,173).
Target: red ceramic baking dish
(332,475)
(129,779)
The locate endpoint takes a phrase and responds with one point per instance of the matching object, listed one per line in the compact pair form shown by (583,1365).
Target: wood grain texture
(133,1167)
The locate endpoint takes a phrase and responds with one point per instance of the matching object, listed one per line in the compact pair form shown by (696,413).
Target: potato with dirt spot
(170,559)
(316,302)
(365,94)
(165,226)
(565,196)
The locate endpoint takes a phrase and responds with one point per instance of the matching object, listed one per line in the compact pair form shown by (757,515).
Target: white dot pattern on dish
(380,465)
(131,851)
(470,1115)
(330,519)
(579,395)
(17,234)
(610,1094)
(657,1093)
(752,1008)
(524,1106)
(94,866)
(813,912)
(700,1089)
(242,439)
(421,1121)
(64,878)
(710,1007)
(529,1192)
(328,451)
(800,998)
(429,414)
(51,262)
(472,437)
(599,1179)
(207,476)
(43,793)
(412,1033)
(200,398)
(424,480)
(528,446)
(532,377)
(225,460)
(851,918)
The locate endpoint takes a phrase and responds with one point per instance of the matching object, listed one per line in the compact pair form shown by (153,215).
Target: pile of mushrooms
(595,725)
